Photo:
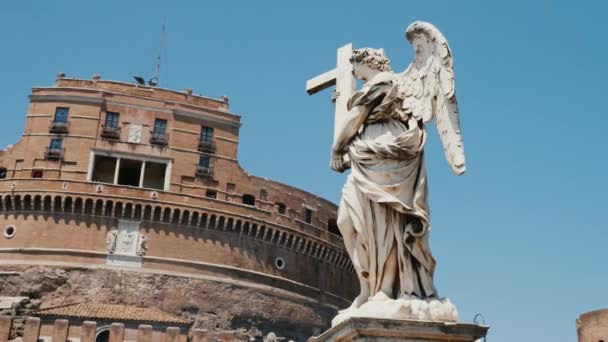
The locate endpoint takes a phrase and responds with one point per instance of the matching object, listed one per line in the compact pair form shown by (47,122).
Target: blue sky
(520,238)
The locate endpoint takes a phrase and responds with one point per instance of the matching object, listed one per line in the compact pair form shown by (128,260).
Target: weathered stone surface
(390,330)
(117,332)
(5,327)
(593,326)
(32,329)
(144,333)
(215,306)
(60,331)
(88,330)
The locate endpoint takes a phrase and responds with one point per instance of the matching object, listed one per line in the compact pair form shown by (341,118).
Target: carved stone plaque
(135,133)
(126,250)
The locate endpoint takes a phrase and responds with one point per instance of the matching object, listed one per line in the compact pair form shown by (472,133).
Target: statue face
(362,71)
(419,42)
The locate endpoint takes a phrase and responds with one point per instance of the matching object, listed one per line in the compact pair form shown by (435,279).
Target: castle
(126,194)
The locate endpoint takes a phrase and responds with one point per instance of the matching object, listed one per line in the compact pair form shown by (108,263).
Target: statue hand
(337,163)
(335,95)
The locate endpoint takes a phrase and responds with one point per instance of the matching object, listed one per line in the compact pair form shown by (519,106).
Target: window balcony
(203,171)
(53,153)
(59,127)
(108,132)
(160,139)
(206,146)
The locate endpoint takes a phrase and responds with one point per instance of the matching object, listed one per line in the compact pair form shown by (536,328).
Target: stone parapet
(371,329)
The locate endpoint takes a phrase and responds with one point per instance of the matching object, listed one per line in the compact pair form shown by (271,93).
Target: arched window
(281,208)
(263,195)
(103,336)
(249,199)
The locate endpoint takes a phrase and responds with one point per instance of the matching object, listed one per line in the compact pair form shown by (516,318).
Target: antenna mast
(160,51)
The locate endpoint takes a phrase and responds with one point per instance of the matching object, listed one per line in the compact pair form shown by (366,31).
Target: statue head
(368,62)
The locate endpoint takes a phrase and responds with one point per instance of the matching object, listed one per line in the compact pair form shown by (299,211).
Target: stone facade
(110,175)
(593,326)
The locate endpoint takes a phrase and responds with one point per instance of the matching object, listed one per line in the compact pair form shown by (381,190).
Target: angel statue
(384,213)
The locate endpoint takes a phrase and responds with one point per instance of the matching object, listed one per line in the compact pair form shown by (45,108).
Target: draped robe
(386,193)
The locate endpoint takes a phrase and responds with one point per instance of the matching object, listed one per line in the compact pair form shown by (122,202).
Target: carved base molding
(391,330)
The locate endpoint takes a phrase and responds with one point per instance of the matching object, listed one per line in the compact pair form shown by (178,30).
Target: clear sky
(521,238)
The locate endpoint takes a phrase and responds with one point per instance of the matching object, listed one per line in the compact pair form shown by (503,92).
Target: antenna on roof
(153,82)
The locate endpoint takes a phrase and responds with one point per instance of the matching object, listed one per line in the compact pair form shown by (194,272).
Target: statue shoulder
(380,85)
(385,76)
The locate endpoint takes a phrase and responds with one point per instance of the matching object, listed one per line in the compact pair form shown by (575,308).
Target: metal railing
(159,138)
(53,153)
(110,132)
(203,171)
(59,127)
(207,146)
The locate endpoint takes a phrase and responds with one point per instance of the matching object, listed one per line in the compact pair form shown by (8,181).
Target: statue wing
(428,89)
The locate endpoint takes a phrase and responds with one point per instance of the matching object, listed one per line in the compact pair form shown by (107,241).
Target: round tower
(120,193)
(593,326)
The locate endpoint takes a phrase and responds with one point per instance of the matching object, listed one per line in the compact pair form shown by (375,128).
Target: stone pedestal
(390,330)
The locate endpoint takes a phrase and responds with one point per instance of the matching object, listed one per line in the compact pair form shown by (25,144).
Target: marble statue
(380,134)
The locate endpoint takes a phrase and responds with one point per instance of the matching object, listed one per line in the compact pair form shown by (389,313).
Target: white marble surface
(380,134)
(409,307)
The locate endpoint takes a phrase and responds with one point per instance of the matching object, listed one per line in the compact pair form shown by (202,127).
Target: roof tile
(113,312)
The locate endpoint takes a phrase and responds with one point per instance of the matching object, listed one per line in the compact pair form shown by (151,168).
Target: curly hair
(373,58)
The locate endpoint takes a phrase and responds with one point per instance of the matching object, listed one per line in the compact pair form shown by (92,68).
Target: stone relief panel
(126,245)
(135,133)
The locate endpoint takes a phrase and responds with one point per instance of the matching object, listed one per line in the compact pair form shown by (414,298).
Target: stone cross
(344,80)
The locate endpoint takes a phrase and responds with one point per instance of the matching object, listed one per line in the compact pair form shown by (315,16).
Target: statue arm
(348,127)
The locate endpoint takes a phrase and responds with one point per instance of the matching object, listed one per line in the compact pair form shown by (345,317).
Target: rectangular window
(154,175)
(111,120)
(37,173)
(129,172)
(61,114)
(160,126)
(203,162)
(206,134)
(308,216)
(103,169)
(56,144)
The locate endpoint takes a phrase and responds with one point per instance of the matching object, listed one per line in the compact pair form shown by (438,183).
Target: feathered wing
(428,89)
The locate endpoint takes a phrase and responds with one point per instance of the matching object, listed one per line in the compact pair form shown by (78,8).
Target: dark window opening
(160,126)
(154,175)
(211,194)
(159,134)
(55,149)
(308,217)
(103,169)
(129,172)
(56,144)
(110,127)
(111,120)
(206,140)
(203,162)
(37,173)
(332,226)
(281,208)
(2,172)
(103,336)
(61,114)
(206,134)
(204,167)
(249,199)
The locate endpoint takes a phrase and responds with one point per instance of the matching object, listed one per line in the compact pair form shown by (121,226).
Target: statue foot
(380,296)
(360,300)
